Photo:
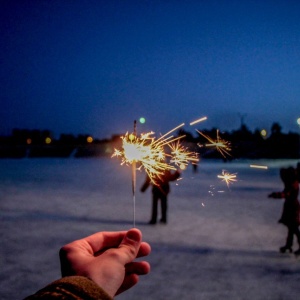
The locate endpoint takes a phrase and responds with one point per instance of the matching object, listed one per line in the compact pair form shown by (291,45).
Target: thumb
(130,245)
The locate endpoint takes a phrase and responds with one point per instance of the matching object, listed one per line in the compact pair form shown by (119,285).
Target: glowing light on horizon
(89,139)
(48,140)
(263,133)
(142,120)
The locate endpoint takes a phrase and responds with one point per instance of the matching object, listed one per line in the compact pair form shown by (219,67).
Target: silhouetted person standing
(160,191)
(291,208)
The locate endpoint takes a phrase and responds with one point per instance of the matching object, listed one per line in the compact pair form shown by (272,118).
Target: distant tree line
(41,143)
(40,137)
(247,144)
(243,144)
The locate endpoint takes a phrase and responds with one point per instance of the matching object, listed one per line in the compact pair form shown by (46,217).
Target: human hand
(107,258)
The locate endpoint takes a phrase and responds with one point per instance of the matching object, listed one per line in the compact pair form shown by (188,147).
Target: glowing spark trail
(227,177)
(259,167)
(198,121)
(222,146)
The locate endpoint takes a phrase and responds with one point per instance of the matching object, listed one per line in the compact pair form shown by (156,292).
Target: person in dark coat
(291,208)
(160,191)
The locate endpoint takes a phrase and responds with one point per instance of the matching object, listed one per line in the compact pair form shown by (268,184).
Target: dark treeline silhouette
(243,144)
(247,144)
(41,143)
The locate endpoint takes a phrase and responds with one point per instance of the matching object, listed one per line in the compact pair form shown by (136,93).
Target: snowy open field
(219,243)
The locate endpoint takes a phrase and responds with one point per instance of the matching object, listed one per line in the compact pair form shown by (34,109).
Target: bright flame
(150,153)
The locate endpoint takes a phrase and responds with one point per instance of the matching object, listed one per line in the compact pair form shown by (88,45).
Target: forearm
(175,176)
(72,288)
(277,195)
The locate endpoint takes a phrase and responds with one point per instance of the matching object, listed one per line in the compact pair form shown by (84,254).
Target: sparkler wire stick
(133,169)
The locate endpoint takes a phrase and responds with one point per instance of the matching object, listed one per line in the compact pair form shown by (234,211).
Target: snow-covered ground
(219,243)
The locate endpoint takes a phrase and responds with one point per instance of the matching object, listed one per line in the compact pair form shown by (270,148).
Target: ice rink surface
(219,243)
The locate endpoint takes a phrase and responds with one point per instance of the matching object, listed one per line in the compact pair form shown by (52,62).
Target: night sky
(93,67)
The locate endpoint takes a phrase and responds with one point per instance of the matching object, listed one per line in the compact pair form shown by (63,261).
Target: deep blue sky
(95,66)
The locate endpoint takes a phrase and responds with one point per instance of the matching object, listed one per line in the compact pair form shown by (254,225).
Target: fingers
(133,270)
(145,249)
(130,246)
(97,243)
(139,268)
(104,240)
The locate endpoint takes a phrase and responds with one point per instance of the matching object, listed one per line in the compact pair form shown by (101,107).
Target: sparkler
(146,152)
(227,177)
(151,154)
(221,145)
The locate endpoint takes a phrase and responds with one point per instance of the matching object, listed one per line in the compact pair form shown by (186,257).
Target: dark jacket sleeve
(71,288)
(146,184)
(174,176)
(277,195)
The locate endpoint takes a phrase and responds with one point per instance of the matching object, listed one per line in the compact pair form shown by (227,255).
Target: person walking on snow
(160,191)
(291,208)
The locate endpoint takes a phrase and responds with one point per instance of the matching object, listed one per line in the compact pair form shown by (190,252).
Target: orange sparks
(227,177)
(221,145)
(151,154)
(180,156)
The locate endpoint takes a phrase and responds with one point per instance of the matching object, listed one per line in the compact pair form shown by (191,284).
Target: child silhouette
(160,191)
(291,207)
